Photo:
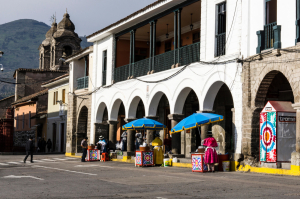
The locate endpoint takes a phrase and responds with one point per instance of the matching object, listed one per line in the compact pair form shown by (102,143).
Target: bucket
(167,162)
(226,165)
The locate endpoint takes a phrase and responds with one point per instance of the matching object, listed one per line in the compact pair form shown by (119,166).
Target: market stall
(195,121)
(144,156)
(92,154)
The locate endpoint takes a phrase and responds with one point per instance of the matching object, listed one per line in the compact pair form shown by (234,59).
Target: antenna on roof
(55,18)
(66,10)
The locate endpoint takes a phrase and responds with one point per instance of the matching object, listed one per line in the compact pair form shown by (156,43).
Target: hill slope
(19,40)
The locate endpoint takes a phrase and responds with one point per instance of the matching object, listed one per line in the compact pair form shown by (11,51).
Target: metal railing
(140,68)
(83,82)
(269,35)
(121,73)
(163,61)
(189,54)
(220,44)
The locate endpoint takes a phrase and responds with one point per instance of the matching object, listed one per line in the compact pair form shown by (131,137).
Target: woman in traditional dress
(211,156)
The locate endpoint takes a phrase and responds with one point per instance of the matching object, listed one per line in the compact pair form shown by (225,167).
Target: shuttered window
(63,95)
(56,97)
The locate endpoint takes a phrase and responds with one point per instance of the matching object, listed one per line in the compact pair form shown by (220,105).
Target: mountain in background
(19,40)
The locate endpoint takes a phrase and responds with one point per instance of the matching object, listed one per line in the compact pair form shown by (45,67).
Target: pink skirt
(211,156)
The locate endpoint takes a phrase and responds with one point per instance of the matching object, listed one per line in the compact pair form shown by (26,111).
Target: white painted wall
(286,17)
(233,29)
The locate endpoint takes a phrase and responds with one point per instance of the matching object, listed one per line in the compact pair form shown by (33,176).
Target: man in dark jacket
(29,149)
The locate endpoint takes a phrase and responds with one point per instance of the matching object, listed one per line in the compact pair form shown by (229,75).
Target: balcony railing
(269,35)
(163,61)
(121,73)
(83,82)
(220,41)
(140,68)
(187,54)
(268,38)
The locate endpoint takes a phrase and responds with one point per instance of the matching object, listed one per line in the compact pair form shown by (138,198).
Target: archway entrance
(190,139)
(82,127)
(223,131)
(274,87)
(101,125)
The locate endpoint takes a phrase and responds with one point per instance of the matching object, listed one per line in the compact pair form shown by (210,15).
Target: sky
(88,16)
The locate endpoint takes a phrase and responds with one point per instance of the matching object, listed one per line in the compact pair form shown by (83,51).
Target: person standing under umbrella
(124,141)
(211,156)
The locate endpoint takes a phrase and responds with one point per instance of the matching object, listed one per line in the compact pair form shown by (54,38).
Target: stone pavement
(70,178)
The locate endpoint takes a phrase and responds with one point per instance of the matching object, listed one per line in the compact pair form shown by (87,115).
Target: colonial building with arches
(167,61)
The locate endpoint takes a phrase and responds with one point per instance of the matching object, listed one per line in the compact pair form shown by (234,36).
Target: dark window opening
(271,11)
(104,67)
(67,51)
(220,29)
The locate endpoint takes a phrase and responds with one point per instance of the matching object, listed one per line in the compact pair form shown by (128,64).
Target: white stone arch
(212,87)
(115,105)
(100,112)
(132,108)
(211,94)
(151,106)
(132,103)
(181,93)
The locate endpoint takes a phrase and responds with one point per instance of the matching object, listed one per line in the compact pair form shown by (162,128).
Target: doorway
(54,135)
(62,137)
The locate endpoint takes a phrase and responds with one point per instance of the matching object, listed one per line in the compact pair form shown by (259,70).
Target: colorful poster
(147,158)
(138,158)
(197,162)
(268,137)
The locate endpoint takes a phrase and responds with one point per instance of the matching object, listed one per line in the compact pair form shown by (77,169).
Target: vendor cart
(198,164)
(93,155)
(144,158)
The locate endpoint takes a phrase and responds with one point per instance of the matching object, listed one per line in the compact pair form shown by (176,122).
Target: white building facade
(142,75)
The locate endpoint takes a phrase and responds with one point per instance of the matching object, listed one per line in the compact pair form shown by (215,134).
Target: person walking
(29,150)
(49,145)
(84,149)
(124,141)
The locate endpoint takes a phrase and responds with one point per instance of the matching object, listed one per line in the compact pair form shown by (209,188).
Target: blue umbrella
(196,120)
(143,124)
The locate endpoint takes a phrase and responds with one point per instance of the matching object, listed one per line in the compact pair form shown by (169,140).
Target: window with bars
(104,67)
(220,40)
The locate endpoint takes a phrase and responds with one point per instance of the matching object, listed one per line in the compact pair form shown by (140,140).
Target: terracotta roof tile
(29,97)
(54,79)
(126,18)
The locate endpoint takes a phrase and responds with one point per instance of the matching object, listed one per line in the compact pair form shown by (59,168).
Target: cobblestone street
(57,176)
